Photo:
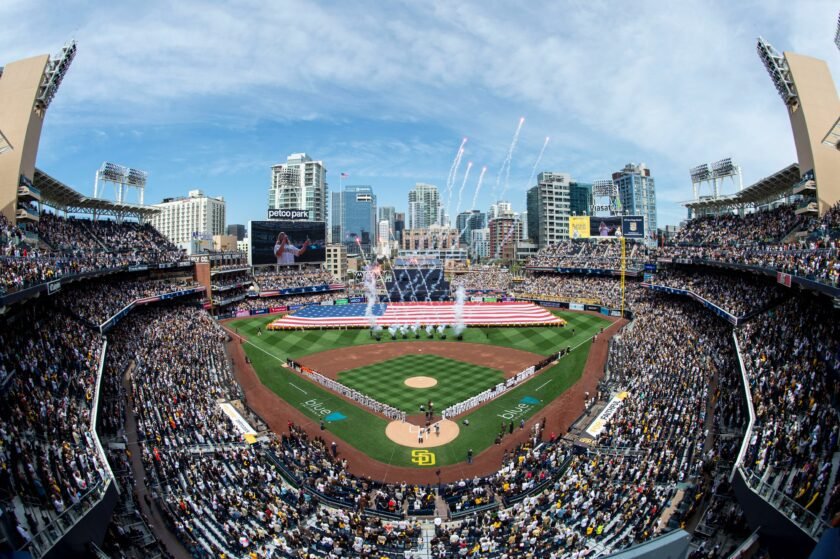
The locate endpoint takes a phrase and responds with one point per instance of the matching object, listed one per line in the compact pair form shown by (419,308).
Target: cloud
(669,84)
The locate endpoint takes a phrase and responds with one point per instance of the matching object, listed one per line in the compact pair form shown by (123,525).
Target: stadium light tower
(837,33)
(713,175)
(121,177)
(53,75)
(779,71)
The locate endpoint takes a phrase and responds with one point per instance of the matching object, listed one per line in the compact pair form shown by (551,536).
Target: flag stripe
(413,313)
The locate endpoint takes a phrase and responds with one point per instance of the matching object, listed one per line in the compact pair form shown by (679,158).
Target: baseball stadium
(613,392)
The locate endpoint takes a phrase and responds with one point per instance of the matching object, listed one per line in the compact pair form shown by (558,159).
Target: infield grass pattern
(457,381)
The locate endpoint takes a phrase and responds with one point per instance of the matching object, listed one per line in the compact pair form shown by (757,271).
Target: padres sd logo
(423,457)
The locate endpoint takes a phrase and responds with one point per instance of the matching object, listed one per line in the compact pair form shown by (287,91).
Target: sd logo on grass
(423,457)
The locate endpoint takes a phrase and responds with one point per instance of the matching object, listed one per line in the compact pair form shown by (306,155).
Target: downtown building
(190,219)
(467,222)
(424,208)
(299,184)
(354,222)
(550,203)
(637,193)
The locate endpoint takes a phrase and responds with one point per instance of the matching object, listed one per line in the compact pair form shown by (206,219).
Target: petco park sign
(288,214)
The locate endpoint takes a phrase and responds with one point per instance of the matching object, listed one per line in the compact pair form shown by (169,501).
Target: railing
(44,540)
(94,414)
(745,443)
(809,522)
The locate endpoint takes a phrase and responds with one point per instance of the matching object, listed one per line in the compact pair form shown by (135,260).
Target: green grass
(457,381)
(366,431)
(543,340)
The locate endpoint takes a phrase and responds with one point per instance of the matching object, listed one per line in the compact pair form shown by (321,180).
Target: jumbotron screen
(287,242)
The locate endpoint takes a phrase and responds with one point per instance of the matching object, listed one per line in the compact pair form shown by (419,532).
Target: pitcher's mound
(406,434)
(420,382)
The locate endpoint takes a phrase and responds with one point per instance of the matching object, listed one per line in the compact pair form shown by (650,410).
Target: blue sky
(209,95)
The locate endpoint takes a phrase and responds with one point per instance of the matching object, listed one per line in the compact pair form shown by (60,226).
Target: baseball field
(408,372)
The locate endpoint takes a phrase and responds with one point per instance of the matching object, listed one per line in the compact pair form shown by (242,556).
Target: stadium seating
(417,284)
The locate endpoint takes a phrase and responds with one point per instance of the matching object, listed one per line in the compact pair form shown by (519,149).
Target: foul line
(299,388)
(543,384)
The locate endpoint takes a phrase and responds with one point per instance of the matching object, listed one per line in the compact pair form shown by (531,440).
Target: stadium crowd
(252,303)
(792,357)
(48,364)
(737,293)
(483,278)
(270,279)
(588,253)
(73,246)
(98,302)
(594,290)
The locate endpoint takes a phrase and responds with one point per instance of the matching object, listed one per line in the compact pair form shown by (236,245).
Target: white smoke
(460,299)
(370,292)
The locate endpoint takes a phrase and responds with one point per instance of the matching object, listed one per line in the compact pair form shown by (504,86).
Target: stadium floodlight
(54,73)
(724,168)
(779,71)
(837,33)
(700,173)
(136,177)
(603,188)
(4,144)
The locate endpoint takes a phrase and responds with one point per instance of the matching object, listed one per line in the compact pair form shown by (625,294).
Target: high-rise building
(237,230)
(580,198)
(388,213)
(435,237)
(637,193)
(194,217)
(399,226)
(500,208)
(336,261)
(299,184)
(549,208)
(423,206)
(480,243)
(467,222)
(354,218)
(505,232)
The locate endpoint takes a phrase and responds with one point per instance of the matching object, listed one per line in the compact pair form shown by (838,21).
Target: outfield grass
(366,431)
(543,340)
(457,381)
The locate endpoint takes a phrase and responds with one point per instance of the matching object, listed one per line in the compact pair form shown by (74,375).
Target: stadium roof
(58,195)
(768,189)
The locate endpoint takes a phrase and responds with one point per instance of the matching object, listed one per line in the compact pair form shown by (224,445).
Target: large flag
(495,314)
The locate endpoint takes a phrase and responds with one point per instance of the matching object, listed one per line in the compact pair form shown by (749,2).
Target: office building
(354,218)
(424,209)
(196,216)
(480,243)
(467,222)
(299,184)
(237,230)
(580,198)
(637,193)
(399,226)
(505,232)
(389,214)
(434,237)
(549,208)
(336,261)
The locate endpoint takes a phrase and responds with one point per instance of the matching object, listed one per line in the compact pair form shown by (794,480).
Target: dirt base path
(331,362)
(560,415)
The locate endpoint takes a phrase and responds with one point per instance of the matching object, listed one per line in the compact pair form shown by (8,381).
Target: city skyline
(220,127)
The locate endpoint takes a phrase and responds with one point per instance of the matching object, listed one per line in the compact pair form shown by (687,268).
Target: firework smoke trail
(537,163)
(478,188)
(463,184)
(458,160)
(453,170)
(506,163)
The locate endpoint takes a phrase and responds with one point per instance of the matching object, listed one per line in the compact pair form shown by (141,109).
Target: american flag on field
(475,314)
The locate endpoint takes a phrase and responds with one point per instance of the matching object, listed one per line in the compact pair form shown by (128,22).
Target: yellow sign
(579,227)
(423,457)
